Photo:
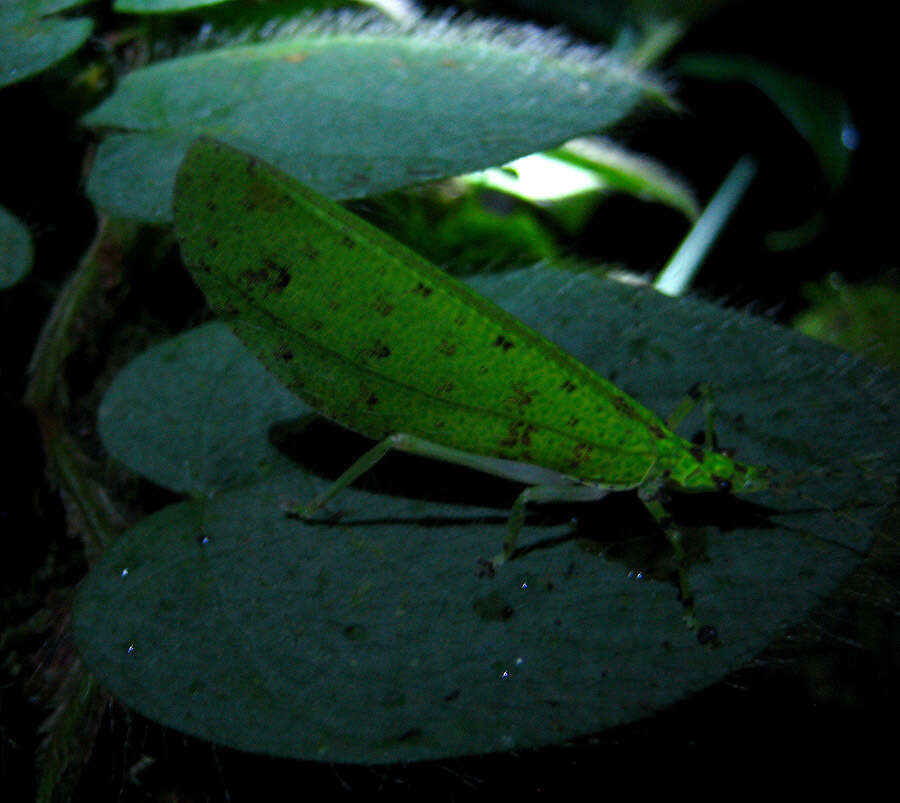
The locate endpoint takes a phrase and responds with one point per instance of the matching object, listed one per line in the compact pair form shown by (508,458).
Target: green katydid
(386,344)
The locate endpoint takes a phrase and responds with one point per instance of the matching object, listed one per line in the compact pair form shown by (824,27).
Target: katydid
(388,345)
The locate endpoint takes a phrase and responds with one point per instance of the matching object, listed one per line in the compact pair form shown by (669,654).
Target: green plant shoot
(386,344)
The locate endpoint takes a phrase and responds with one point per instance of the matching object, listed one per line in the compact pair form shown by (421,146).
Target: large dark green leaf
(368,637)
(214,405)
(16,250)
(31,40)
(354,108)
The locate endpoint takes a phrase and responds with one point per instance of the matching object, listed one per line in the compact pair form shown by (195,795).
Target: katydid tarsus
(388,345)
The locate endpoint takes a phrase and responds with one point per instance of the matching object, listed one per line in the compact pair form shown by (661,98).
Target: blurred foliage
(864,319)
(33,40)
(462,229)
(16,250)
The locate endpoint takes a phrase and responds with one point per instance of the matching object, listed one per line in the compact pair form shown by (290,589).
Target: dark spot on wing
(378,351)
(382,307)
(423,290)
(518,433)
(521,397)
(568,387)
(279,277)
(273,277)
(263,196)
(581,454)
(622,406)
(447,349)
(503,343)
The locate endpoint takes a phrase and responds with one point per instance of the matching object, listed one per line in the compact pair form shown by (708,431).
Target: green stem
(89,510)
(680,270)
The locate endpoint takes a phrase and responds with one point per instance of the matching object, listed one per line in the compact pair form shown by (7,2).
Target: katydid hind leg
(400,442)
(359,467)
(540,494)
(544,485)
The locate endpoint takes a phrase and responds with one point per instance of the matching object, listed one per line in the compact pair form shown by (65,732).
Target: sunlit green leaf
(632,173)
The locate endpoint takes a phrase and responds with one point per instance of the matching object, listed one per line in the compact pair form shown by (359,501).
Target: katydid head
(748,478)
(717,471)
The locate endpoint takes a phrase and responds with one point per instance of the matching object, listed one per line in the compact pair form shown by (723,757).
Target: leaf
(255,13)
(859,318)
(354,108)
(217,425)
(30,42)
(632,173)
(368,637)
(820,114)
(16,250)
(162,6)
(568,182)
